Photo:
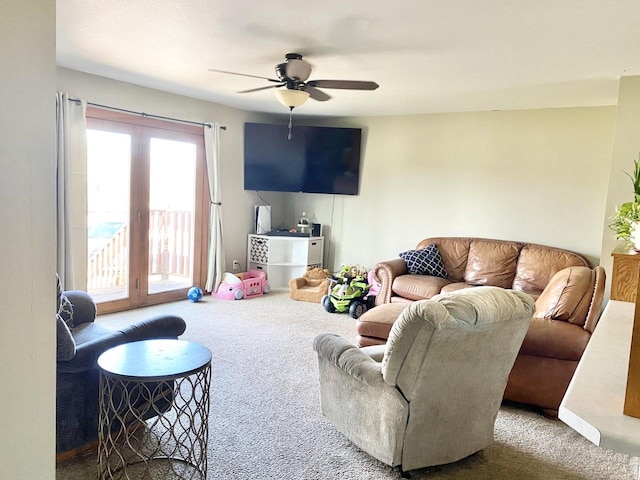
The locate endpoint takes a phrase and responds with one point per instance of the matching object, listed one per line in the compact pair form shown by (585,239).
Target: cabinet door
(277,276)
(314,256)
(258,249)
(625,277)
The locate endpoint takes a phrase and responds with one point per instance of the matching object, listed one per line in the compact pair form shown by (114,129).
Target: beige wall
(534,175)
(27,256)
(626,147)
(237,204)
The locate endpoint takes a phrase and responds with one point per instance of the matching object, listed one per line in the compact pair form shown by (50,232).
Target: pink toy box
(242,285)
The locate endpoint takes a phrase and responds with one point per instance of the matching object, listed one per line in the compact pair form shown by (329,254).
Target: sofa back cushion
(492,262)
(520,266)
(537,264)
(454,252)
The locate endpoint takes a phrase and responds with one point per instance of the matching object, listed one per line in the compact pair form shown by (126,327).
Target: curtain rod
(142,114)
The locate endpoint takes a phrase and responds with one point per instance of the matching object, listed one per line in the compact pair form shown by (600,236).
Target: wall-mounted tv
(314,160)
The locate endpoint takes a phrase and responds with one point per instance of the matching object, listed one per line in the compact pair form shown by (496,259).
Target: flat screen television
(314,160)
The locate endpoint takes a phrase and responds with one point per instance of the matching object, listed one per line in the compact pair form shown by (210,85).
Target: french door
(146,210)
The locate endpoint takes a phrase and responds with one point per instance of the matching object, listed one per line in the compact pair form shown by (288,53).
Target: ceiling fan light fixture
(291,98)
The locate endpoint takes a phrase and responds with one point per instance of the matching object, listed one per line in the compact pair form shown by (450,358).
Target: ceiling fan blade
(261,88)
(344,84)
(244,75)
(316,94)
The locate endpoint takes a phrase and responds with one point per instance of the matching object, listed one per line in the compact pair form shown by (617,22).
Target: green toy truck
(348,292)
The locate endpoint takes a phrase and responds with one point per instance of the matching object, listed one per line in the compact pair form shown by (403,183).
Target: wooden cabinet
(283,258)
(624,279)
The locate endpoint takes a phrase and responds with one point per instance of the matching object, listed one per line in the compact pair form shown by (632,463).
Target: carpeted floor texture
(265,418)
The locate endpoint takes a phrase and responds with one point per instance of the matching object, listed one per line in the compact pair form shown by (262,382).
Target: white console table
(594,400)
(283,257)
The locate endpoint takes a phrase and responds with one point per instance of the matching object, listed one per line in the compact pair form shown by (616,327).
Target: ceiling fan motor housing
(293,69)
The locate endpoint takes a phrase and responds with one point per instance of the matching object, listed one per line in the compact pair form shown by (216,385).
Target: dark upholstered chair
(77,374)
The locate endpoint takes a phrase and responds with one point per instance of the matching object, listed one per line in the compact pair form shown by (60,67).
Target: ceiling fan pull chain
(290,115)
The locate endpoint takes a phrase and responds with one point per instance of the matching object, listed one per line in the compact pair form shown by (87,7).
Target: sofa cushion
(88,332)
(425,261)
(538,263)
(418,287)
(492,262)
(452,287)
(454,252)
(555,339)
(377,322)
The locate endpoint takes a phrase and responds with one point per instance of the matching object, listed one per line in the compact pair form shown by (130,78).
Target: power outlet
(236,265)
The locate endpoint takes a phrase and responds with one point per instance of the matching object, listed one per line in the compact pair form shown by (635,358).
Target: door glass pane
(108,179)
(172,196)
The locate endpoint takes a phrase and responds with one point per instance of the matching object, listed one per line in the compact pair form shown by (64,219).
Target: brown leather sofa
(568,293)
(526,267)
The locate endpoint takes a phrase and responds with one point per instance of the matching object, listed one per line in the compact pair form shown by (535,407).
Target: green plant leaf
(624,219)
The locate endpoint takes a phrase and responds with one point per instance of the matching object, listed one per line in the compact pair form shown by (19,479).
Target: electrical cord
(264,202)
(333,206)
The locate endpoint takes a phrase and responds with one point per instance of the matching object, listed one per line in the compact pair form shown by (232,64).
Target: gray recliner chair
(431,395)
(80,341)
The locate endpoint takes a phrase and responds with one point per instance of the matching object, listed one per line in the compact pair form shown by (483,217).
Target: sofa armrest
(160,326)
(297,283)
(384,273)
(595,308)
(574,295)
(349,358)
(86,357)
(84,308)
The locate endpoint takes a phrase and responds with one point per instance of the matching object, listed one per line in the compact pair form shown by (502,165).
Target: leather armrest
(595,308)
(349,358)
(574,295)
(384,273)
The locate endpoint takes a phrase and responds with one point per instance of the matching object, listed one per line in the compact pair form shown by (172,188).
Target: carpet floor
(265,419)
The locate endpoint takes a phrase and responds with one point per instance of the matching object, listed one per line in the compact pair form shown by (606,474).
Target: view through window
(146,201)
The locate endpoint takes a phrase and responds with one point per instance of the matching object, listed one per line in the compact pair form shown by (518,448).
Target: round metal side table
(154,409)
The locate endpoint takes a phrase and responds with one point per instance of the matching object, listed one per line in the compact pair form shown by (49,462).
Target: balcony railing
(170,247)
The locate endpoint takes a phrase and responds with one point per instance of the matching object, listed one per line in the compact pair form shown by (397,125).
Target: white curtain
(71,172)
(216,265)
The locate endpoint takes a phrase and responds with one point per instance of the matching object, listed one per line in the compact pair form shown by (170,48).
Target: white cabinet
(283,258)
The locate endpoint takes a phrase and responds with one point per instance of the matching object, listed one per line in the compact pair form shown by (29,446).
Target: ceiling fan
(293,74)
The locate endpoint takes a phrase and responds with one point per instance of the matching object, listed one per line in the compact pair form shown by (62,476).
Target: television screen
(314,160)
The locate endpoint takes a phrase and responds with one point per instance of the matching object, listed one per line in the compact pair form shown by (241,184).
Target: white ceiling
(426,55)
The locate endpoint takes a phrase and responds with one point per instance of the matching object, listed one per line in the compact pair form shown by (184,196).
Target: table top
(594,400)
(149,360)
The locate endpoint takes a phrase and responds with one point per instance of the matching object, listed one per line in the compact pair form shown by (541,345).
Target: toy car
(348,292)
(248,284)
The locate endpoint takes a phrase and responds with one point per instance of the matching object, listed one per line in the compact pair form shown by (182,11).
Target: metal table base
(154,408)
